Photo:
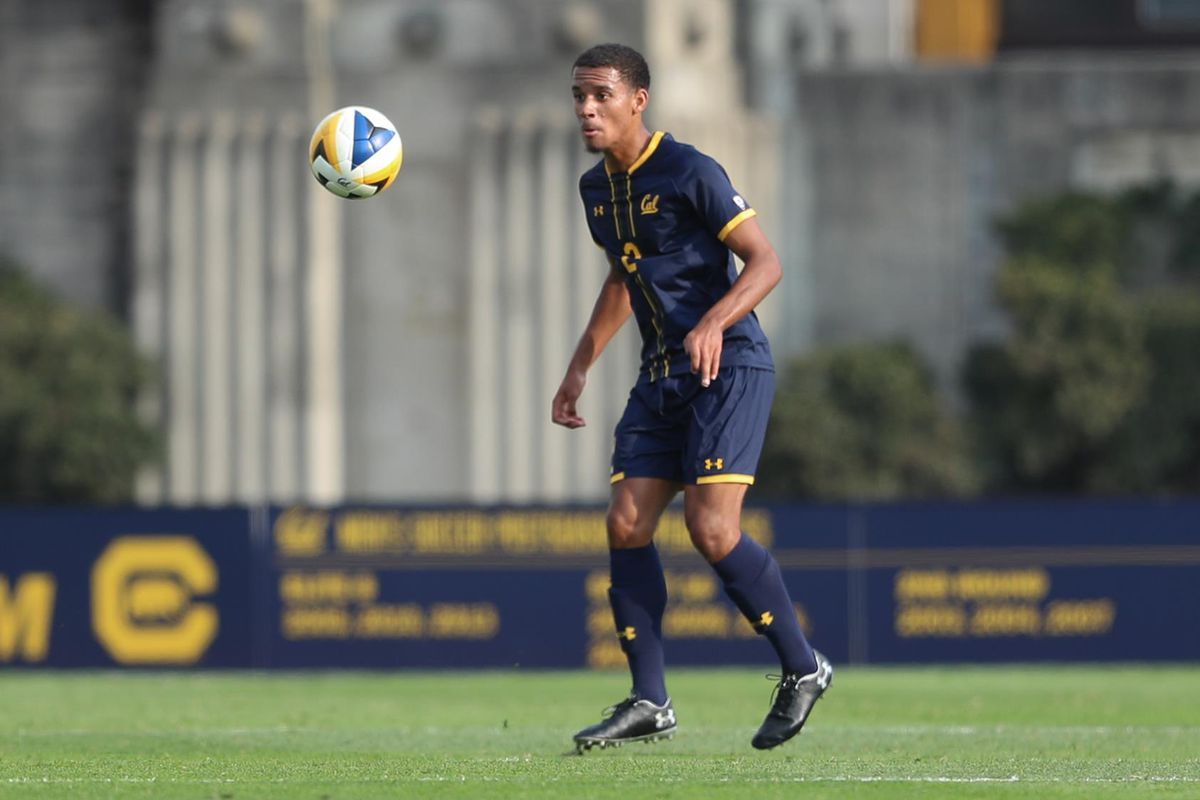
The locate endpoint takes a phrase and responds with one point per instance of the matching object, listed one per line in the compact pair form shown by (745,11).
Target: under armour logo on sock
(628,633)
(664,719)
(764,621)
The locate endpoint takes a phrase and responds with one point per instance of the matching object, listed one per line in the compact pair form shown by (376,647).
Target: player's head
(611,85)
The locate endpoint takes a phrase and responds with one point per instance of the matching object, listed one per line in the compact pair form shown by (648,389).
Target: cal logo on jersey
(650,204)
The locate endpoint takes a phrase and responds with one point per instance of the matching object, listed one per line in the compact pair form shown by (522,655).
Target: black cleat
(792,700)
(631,720)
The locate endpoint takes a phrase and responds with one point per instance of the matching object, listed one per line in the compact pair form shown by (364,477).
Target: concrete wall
(71,74)
(895,179)
(431,388)
(406,348)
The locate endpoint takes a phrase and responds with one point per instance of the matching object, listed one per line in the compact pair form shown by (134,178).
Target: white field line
(976,730)
(972,730)
(887,730)
(267,731)
(392,779)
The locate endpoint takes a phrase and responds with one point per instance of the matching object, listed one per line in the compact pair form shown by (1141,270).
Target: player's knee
(713,534)
(625,529)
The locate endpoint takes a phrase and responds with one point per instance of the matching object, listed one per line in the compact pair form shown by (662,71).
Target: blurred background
(986,210)
(987,213)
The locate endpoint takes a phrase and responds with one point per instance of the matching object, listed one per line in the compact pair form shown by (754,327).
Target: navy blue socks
(755,585)
(752,580)
(639,598)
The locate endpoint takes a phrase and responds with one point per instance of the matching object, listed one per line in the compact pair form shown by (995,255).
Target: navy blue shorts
(677,430)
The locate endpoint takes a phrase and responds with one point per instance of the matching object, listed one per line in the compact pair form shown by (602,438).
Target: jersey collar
(651,146)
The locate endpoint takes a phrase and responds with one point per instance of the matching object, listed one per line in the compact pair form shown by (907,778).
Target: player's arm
(760,275)
(609,313)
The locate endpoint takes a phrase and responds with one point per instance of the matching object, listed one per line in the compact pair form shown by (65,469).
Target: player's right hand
(703,344)
(562,409)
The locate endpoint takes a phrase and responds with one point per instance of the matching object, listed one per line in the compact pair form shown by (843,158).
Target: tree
(1098,388)
(1072,229)
(1046,402)
(69,380)
(860,423)
(1157,447)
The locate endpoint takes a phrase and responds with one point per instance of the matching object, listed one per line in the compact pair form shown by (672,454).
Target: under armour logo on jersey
(664,719)
(739,202)
(714,463)
(598,211)
(650,204)
(629,633)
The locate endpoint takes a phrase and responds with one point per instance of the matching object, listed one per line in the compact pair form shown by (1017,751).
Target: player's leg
(638,596)
(639,590)
(753,581)
(646,476)
(723,449)
(749,572)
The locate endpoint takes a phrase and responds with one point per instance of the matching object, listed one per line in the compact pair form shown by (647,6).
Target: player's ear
(641,98)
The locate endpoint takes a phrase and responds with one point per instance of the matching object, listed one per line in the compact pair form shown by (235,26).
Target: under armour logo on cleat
(664,719)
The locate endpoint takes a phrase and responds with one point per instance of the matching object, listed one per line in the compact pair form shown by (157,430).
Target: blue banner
(136,588)
(527,587)
(1032,582)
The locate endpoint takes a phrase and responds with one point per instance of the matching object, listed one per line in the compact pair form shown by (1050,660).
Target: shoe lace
(613,710)
(788,683)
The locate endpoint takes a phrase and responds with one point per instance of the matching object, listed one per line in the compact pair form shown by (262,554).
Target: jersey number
(631,249)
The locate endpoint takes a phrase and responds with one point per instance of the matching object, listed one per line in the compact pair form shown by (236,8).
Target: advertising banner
(385,587)
(135,588)
(471,587)
(1032,582)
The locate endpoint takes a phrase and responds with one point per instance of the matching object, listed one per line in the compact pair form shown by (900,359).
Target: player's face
(606,107)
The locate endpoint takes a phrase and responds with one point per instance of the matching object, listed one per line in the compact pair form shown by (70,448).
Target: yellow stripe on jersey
(733,223)
(656,319)
(727,478)
(612,186)
(629,205)
(649,151)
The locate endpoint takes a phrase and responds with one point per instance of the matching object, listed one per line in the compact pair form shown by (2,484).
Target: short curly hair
(628,63)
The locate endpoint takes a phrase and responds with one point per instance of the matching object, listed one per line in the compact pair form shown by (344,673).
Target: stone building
(407,348)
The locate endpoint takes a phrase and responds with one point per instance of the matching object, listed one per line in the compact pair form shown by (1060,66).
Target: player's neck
(620,156)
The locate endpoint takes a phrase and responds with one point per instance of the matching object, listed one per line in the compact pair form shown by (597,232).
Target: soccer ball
(355,152)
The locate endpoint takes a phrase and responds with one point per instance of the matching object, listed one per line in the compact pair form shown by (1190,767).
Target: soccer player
(670,222)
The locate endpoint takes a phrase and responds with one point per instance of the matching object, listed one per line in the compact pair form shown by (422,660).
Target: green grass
(1050,732)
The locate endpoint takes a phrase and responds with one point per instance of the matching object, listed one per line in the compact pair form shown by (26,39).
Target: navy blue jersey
(665,221)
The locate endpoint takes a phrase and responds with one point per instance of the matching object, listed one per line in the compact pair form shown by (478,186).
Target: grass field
(1086,732)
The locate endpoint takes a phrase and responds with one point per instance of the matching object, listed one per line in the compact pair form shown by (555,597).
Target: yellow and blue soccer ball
(355,152)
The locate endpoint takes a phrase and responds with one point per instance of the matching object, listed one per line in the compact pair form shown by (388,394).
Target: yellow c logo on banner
(143,608)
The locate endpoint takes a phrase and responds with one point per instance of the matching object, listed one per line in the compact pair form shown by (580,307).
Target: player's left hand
(703,346)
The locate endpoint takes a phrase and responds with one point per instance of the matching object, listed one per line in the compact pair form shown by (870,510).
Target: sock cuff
(745,563)
(632,566)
